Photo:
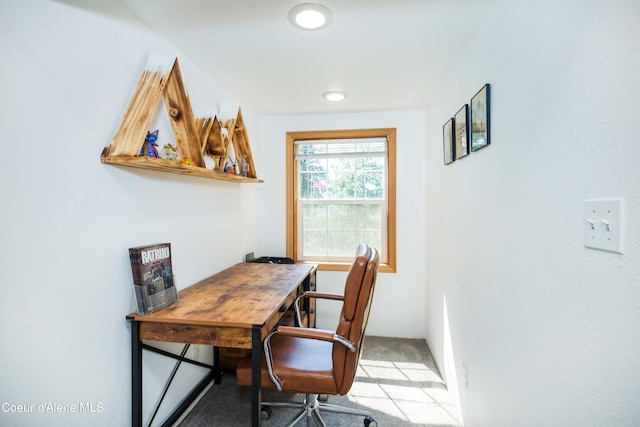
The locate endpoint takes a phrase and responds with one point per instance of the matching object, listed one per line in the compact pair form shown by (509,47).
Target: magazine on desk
(152,277)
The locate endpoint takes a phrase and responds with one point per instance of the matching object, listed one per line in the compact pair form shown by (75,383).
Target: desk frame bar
(188,400)
(256,362)
(178,357)
(168,383)
(136,375)
(137,346)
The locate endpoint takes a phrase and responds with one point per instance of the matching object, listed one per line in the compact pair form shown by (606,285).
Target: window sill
(344,266)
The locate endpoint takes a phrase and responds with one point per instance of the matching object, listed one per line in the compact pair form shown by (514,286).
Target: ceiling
(385,54)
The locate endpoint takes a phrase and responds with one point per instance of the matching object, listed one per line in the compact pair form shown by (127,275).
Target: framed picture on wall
(447,142)
(461,126)
(480,110)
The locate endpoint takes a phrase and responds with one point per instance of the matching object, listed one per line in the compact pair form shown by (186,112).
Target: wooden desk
(237,307)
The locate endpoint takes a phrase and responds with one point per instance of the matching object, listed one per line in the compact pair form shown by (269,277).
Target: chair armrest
(315,334)
(311,333)
(307,333)
(313,294)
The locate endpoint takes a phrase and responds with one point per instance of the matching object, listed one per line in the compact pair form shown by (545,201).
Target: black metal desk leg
(136,375)
(217,371)
(256,362)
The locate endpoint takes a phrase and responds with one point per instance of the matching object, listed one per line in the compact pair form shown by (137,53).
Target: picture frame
(480,119)
(448,146)
(461,126)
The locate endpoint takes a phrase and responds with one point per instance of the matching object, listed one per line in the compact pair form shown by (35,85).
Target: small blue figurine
(149,148)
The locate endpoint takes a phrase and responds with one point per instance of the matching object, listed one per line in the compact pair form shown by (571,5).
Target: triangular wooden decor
(134,126)
(161,78)
(181,115)
(203,127)
(210,134)
(237,135)
(241,145)
(227,128)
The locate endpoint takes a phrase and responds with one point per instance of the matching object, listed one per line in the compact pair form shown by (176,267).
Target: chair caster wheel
(265,412)
(323,397)
(370,422)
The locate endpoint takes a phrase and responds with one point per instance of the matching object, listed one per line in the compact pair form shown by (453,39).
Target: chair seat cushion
(305,366)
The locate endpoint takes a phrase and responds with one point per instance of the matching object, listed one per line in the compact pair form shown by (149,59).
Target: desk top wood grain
(243,295)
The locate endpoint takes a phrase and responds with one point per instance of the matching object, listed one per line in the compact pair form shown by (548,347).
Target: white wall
(396,309)
(549,329)
(66,220)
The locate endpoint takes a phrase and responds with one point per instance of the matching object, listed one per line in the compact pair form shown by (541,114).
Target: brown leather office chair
(314,361)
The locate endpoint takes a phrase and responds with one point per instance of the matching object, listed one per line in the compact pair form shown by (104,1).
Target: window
(341,192)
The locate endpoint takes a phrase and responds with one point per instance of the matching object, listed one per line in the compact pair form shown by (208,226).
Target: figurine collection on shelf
(168,151)
(231,166)
(171,152)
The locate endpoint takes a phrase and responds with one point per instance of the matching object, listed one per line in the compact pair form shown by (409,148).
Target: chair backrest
(358,295)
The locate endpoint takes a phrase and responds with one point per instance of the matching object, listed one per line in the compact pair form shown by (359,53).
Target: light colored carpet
(397,382)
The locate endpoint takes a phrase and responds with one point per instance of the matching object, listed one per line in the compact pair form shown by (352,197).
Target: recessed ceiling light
(310,16)
(334,96)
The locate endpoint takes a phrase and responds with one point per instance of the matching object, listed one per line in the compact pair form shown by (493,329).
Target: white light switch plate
(604,224)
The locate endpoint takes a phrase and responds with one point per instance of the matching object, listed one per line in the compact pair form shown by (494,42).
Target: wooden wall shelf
(195,137)
(178,168)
